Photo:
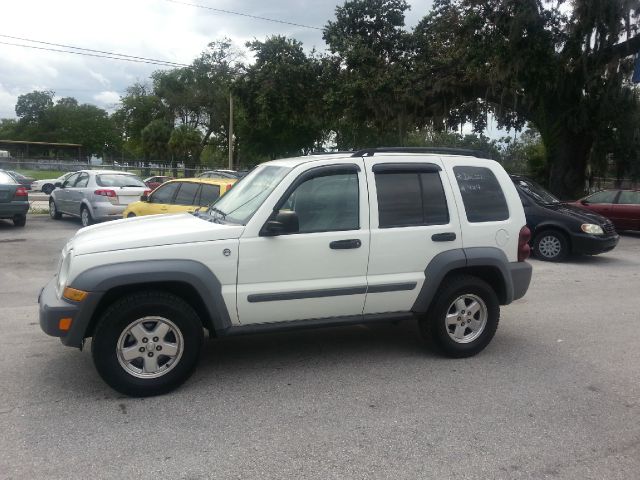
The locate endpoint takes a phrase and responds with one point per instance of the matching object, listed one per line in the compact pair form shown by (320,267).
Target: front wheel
(53,210)
(551,246)
(463,318)
(147,343)
(85,217)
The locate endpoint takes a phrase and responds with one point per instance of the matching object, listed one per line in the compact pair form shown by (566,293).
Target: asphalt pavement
(555,395)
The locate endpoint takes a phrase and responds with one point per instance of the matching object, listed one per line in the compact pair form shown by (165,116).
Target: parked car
(21,179)
(14,200)
(622,207)
(155,182)
(303,242)
(178,196)
(48,184)
(95,195)
(220,174)
(558,228)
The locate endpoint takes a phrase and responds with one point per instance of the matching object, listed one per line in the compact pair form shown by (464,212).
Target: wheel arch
(189,279)
(487,263)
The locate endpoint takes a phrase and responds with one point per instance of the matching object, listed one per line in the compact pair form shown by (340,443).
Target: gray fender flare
(98,280)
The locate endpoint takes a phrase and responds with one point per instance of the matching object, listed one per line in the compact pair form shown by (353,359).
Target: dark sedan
(21,179)
(14,200)
(622,207)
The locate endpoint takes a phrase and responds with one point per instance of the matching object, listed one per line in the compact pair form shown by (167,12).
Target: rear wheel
(147,343)
(53,210)
(85,217)
(19,220)
(551,245)
(463,318)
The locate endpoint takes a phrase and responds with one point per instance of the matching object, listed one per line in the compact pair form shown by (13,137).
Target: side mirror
(144,198)
(286,221)
(58,185)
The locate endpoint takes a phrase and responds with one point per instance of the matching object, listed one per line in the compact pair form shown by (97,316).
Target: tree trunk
(567,156)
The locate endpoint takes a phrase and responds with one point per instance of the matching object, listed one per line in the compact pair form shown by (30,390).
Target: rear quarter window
(483,198)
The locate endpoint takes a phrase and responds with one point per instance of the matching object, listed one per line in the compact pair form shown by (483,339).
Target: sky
(160,29)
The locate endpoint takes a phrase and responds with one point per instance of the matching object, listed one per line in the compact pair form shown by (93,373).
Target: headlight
(592,229)
(63,272)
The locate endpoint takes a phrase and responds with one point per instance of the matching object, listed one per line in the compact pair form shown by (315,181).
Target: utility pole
(230,132)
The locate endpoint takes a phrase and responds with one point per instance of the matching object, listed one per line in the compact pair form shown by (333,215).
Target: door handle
(345,244)
(443,237)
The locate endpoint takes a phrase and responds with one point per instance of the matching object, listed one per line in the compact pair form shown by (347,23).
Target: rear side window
(482,195)
(209,194)
(410,198)
(605,196)
(187,193)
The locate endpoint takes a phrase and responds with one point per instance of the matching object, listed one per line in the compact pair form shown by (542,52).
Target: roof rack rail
(342,152)
(369,152)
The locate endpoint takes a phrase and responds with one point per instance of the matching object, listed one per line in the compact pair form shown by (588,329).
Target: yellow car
(177,196)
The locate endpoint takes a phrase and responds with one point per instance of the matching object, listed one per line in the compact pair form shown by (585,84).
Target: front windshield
(538,193)
(246,196)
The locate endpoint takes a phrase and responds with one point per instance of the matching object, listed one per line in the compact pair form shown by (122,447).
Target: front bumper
(52,309)
(584,243)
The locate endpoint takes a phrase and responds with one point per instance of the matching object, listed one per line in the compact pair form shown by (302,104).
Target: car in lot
(14,200)
(178,196)
(559,228)
(220,174)
(621,206)
(23,180)
(435,235)
(47,185)
(155,182)
(95,195)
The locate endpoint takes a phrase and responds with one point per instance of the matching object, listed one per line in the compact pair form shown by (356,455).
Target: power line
(85,54)
(94,51)
(231,12)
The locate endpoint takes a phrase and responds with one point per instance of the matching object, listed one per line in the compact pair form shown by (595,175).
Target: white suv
(377,235)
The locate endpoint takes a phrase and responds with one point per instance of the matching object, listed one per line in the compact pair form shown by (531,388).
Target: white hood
(150,231)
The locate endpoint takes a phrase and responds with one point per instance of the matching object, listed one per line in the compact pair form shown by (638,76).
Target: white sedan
(47,185)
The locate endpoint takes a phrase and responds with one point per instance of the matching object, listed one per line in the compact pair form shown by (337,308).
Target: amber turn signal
(64,324)
(73,294)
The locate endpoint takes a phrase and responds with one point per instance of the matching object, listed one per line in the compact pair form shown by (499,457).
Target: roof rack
(336,152)
(369,152)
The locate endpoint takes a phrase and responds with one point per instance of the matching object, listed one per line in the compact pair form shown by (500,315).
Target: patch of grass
(41,174)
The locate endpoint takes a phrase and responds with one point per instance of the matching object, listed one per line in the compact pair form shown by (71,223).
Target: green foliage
(185,144)
(430,138)
(155,139)
(31,107)
(279,98)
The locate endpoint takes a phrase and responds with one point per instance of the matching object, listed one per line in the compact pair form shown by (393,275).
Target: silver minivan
(95,195)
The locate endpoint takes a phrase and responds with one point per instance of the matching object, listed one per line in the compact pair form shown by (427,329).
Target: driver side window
(70,180)
(326,203)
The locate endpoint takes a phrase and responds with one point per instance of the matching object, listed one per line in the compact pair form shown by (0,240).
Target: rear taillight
(21,192)
(106,193)
(524,250)
(229,185)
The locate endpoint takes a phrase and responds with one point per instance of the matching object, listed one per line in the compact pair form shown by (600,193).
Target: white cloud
(107,99)
(144,28)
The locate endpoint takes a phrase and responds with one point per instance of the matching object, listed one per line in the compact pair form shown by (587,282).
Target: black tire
(85,216)
(131,215)
(120,316)
(47,189)
(434,326)
(555,246)
(19,220)
(53,210)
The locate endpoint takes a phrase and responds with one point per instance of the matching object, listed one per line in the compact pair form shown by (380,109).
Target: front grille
(609,228)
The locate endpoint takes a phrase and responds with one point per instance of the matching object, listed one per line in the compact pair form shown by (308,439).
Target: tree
(30,107)
(155,140)
(371,95)
(138,108)
(280,98)
(185,144)
(528,60)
